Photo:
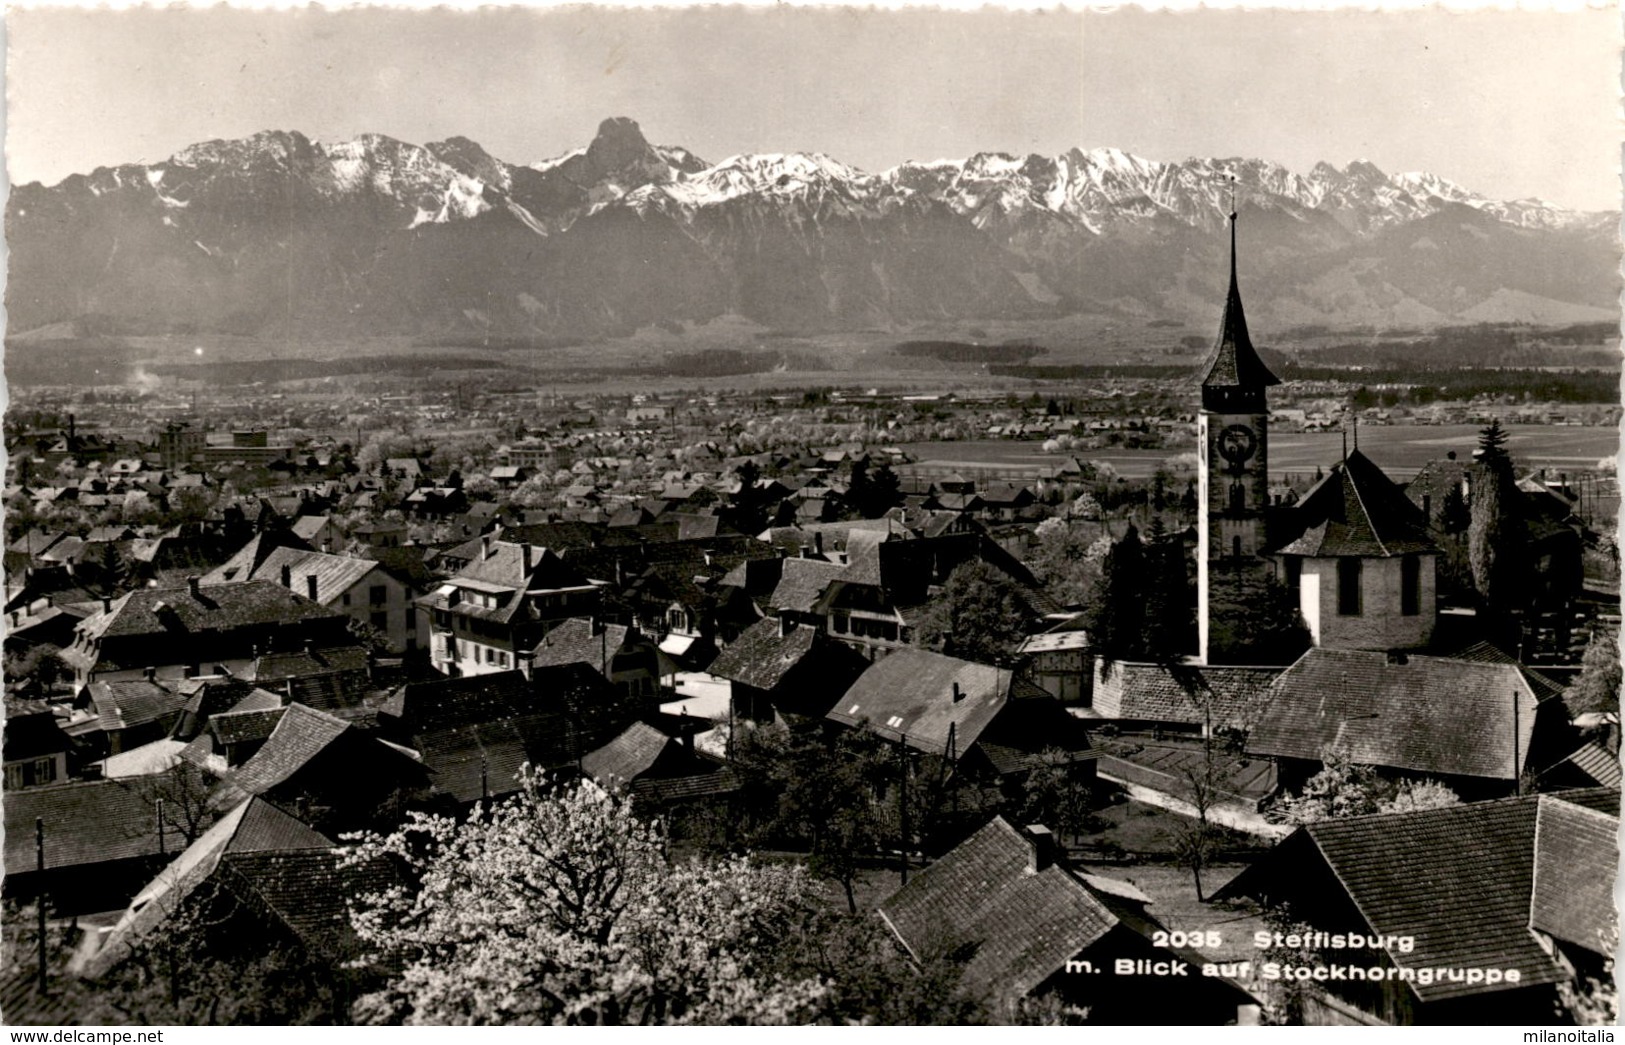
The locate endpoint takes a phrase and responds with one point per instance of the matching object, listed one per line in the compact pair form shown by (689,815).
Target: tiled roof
(1425,714)
(909,695)
(241,566)
(1576,860)
(335,574)
(505,566)
(628,756)
(461,701)
(581,641)
(1356,510)
(308,890)
(1457,879)
(480,759)
(300,736)
(270,668)
(127,703)
(217,607)
(802,582)
(1597,763)
(1184,694)
(1024,926)
(252,826)
(761,657)
(90,822)
(664,790)
(236,727)
(1484,653)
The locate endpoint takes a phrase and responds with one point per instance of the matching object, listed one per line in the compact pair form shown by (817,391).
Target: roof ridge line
(1361,500)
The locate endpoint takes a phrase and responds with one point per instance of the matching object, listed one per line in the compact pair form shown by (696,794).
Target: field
(1399,449)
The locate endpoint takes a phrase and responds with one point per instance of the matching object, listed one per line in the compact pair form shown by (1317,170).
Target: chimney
(818,542)
(959,694)
(71,426)
(1396,656)
(107,604)
(192,585)
(595,625)
(150,673)
(310,586)
(310,644)
(525,556)
(1041,845)
(485,547)
(287,576)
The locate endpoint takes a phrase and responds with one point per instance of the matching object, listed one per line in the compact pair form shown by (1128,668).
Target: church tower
(1233,485)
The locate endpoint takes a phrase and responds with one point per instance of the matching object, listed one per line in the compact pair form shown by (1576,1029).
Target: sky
(1507,103)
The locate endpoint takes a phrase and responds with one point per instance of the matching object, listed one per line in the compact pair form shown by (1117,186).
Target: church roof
(1235,361)
(1356,510)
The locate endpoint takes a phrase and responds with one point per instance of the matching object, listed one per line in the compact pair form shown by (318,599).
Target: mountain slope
(279,235)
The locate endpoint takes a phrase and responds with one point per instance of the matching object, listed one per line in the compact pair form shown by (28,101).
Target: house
(778,668)
(255,825)
(1060,663)
(362,589)
(1191,698)
(657,770)
(178,632)
(474,732)
(36,748)
(100,840)
(1034,927)
(1519,887)
(629,659)
(941,705)
(338,778)
(500,605)
(1357,556)
(1473,725)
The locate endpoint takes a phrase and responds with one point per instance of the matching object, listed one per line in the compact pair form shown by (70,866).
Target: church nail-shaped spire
(1235,366)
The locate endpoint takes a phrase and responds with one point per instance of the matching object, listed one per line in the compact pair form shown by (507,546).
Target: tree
(1597,687)
(1116,615)
(558,905)
(1496,537)
(1066,561)
(1346,788)
(819,797)
(979,616)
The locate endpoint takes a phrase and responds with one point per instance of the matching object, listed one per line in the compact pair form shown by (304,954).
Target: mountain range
(277,235)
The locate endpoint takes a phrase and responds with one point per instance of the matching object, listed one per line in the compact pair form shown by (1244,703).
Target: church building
(1353,554)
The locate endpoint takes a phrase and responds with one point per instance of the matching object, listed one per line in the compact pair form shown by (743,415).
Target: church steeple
(1236,372)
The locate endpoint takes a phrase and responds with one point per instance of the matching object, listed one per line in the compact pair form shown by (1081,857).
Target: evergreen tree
(1116,618)
(1496,536)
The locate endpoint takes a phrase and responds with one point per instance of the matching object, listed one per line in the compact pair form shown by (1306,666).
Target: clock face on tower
(1237,444)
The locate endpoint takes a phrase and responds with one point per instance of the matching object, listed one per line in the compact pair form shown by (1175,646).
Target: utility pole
(1517,763)
(39,865)
(902,805)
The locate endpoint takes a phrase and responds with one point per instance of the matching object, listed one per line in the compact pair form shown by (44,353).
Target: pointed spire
(1235,361)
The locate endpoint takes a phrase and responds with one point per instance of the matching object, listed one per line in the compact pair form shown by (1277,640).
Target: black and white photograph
(811,516)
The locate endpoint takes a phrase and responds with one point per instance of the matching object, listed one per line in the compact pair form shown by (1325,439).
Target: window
(14,776)
(490,655)
(378,595)
(1235,547)
(44,770)
(1294,575)
(1238,498)
(344,600)
(1410,585)
(839,623)
(380,620)
(1348,587)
